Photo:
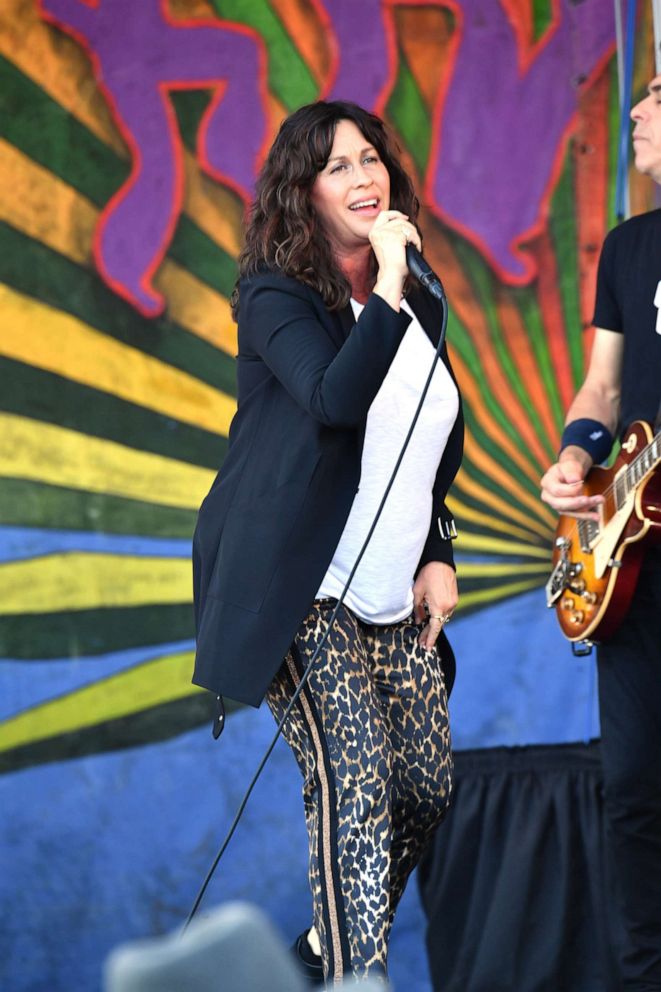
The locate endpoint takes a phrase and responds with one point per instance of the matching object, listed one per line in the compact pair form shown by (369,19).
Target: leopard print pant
(370,734)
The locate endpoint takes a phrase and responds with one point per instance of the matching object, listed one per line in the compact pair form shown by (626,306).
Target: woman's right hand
(389,236)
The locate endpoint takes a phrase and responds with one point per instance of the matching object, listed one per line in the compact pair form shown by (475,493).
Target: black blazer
(269,527)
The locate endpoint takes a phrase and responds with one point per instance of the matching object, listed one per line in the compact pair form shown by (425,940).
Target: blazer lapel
(347,320)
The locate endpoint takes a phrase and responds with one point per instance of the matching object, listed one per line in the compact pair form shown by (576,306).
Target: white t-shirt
(382,589)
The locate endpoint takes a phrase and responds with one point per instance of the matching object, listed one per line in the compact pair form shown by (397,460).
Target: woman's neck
(358,269)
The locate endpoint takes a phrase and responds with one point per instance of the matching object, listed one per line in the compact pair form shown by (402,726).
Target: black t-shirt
(628,282)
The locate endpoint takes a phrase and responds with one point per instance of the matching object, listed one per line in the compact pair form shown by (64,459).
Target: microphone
(423,272)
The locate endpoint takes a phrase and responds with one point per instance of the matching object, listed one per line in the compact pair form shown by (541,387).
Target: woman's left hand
(435,596)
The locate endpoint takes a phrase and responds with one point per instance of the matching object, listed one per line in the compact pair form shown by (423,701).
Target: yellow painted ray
(44,207)
(197,307)
(463,511)
(75,580)
(483,460)
(158,681)
(39,335)
(214,209)
(478,492)
(35,201)
(483,597)
(477,543)
(490,569)
(30,449)
(59,66)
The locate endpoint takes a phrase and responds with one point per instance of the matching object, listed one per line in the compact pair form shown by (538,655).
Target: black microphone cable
(439,293)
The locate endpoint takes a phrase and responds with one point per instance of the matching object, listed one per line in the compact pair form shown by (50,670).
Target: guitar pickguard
(609,536)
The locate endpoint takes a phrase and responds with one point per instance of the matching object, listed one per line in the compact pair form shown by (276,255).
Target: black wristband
(592,436)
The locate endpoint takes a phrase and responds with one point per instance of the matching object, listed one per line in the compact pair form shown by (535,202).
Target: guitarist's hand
(562,485)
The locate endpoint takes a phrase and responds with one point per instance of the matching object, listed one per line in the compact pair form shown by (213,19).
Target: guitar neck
(636,471)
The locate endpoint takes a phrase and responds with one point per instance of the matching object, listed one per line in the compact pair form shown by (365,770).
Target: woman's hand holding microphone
(389,236)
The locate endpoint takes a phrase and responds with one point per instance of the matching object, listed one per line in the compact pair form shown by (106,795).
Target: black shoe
(308,962)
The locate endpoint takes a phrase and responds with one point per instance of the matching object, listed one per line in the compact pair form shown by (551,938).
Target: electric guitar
(596,562)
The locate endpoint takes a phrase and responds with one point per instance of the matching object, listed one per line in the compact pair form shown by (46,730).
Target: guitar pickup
(588,532)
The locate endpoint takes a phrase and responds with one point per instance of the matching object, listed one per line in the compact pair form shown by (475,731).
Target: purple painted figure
(139,55)
(366,52)
(502,129)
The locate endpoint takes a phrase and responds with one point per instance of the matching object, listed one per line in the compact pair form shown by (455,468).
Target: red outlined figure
(140,55)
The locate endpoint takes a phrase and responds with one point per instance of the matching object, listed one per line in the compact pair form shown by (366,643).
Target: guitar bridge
(561,574)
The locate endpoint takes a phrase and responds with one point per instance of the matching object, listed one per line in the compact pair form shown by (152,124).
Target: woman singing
(335,345)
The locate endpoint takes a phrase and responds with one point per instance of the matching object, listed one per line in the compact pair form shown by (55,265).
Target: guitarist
(623,384)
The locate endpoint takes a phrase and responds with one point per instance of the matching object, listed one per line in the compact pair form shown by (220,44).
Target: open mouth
(370,204)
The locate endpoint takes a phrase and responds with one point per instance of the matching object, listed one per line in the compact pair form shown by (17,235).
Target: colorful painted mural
(130,135)
(130,139)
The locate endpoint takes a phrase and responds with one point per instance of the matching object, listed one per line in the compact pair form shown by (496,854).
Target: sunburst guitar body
(596,563)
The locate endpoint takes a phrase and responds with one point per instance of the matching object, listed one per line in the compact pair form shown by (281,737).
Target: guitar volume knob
(577,617)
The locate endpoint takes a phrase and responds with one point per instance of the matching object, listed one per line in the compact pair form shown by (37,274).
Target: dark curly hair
(283,230)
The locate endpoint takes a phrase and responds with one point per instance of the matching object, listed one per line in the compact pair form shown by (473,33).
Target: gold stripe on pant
(370,734)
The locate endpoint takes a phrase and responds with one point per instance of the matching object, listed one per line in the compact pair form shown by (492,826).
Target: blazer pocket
(254,539)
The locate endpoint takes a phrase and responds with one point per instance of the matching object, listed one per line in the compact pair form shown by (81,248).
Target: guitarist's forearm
(594,414)
(599,396)
(599,404)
